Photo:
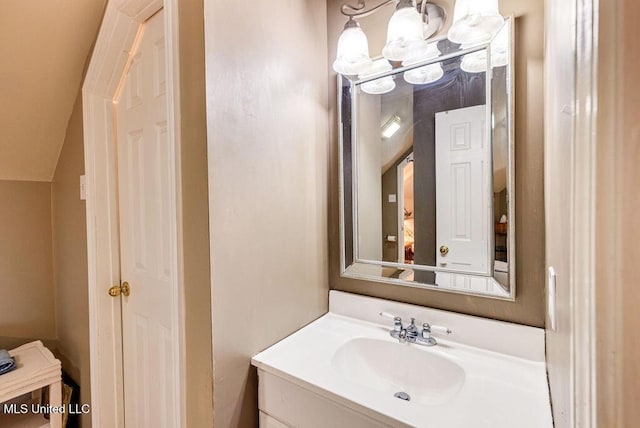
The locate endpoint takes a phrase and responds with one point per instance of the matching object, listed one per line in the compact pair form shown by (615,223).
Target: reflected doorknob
(444,250)
(126,290)
(123,289)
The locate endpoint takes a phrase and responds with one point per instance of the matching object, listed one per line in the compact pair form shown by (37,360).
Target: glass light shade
(405,34)
(475,21)
(353,51)
(378,86)
(428,51)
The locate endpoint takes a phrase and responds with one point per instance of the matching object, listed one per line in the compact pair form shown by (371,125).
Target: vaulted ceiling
(44,46)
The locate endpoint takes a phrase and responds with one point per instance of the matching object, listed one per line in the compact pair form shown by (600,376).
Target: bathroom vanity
(427,201)
(346,370)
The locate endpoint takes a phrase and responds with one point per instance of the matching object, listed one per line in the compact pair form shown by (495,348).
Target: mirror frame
(510,294)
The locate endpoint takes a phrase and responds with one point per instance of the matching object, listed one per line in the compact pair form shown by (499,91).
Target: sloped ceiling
(43,49)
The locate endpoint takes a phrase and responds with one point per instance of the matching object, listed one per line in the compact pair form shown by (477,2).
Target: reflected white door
(145,233)
(463,192)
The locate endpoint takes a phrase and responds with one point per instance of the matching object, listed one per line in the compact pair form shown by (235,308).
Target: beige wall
(529,305)
(268,155)
(628,93)
(70,257)
(44,46)
(617,227)
(27,308)
(195,214)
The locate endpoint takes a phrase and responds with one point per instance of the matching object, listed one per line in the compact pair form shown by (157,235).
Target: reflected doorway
(406,209)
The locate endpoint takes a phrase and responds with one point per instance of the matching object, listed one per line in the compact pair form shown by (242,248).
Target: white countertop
(500,389)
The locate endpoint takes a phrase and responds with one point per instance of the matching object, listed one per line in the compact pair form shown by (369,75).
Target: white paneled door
(144,172)
(463,190)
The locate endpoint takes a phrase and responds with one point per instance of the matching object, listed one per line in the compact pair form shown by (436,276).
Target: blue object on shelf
(7,363)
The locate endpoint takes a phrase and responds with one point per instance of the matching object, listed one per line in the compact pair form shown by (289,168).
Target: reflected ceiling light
(475,21)
(427,74)
(476,62)
(499,49)
(391,127)
(353,50)
(406,33)
(381,85)
(424,75)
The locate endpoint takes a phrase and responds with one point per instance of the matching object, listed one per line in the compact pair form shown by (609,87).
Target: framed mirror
(427,170)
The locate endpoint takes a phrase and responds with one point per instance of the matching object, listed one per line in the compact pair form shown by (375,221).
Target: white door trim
(583,216)
(110,59)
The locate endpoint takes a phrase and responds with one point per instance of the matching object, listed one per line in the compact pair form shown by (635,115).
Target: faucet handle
(427,328)
(440,329)
(397,321)
(388,315)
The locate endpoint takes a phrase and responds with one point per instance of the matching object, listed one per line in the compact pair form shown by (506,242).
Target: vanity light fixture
(410,26)
(391,127)
(406,33)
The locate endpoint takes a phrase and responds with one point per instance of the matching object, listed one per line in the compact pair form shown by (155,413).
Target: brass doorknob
(444,250)
(123,289)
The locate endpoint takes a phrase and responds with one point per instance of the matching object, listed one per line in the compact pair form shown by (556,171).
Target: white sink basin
(391,367)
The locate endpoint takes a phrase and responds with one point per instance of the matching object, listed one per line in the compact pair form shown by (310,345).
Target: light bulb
(405,33)
(353,50)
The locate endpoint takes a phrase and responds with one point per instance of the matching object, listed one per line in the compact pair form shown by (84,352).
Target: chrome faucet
(412,331)
(411,335)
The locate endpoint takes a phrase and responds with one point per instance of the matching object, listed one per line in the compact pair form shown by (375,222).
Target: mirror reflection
(426,171)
